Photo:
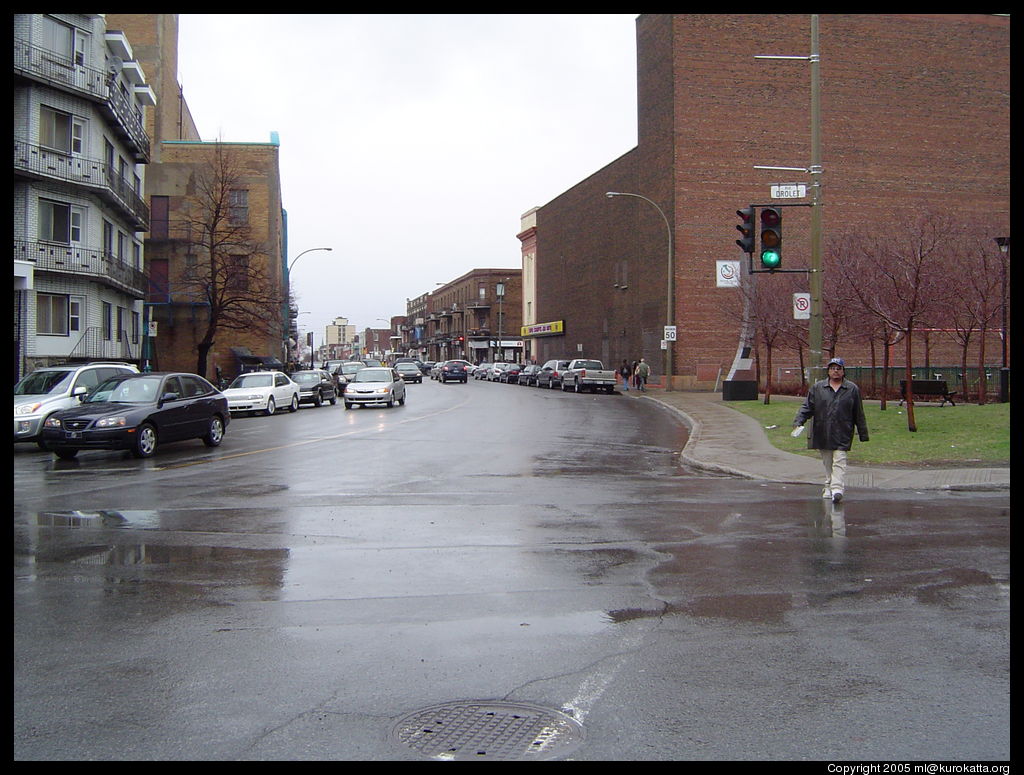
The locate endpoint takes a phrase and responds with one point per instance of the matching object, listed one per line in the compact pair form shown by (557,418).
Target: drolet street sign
(789,191)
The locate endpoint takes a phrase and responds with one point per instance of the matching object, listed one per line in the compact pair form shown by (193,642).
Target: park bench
(927,387)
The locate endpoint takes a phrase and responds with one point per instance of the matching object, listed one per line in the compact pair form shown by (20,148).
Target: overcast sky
(411,144)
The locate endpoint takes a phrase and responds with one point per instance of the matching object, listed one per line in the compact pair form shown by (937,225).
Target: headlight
(51,422)
(256,397)
(28,408)
(111,422)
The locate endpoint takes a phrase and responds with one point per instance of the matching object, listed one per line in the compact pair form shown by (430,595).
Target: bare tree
(896,279)
(231,273)
(973,304)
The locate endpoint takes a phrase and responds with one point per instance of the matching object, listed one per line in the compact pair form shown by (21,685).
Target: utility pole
(817,201)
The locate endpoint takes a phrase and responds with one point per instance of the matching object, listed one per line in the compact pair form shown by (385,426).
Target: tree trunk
(909,393)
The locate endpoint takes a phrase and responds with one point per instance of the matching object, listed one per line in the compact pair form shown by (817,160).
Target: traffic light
(746,228)
(771,238)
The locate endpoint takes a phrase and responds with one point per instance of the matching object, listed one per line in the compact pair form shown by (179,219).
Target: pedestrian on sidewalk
(626,373)
(643,371)
(834,407)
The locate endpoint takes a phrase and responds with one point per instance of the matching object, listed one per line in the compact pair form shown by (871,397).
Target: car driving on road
(409,371)
(315,387)
(137,412)
(375,385)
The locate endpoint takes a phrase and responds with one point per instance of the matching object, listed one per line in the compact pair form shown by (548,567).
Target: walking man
(834,407)
(643,371)
(626,372)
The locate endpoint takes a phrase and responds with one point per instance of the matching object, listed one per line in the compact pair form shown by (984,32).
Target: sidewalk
(723,440)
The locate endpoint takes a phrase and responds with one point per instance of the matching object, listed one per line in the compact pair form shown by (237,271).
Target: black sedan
(138,411)
(528,376)
(315,387)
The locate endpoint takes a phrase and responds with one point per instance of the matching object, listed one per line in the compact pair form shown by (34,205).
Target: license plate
(73,434)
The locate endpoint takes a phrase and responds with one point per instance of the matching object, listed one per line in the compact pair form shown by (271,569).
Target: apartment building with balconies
(80,149)
(476,317)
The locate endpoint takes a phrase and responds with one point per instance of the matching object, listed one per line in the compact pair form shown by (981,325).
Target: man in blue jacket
(834,407)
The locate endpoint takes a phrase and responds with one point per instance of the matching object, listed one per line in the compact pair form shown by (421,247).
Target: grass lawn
(965,434)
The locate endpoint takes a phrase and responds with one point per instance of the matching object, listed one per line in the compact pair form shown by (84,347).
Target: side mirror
(169,397)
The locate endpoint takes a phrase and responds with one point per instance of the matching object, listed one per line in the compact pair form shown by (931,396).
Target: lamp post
(670,303)
(1004,372)
(288,285)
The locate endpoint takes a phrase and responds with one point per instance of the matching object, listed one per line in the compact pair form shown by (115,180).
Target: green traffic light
(771,259)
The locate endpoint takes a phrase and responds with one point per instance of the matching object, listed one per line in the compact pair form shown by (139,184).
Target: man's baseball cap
(836,362)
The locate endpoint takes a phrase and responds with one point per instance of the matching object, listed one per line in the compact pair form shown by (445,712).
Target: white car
(375,385)
(262,391)
(52,388)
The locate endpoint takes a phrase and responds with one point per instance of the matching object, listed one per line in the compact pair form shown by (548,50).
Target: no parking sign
(801,306)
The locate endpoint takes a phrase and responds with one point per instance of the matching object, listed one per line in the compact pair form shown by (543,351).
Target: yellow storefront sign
(543,329)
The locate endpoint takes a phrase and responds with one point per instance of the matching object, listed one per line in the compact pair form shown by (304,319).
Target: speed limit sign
(670,333)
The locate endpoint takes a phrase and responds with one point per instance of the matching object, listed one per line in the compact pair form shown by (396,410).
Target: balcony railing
(87,262)
(44,163)
(93,346)
(51,68)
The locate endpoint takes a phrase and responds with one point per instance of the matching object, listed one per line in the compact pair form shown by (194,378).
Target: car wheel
(401,401)
(271,406)
(334,399)
(295,403)
(318,401)
(391,400)
(348,404)
(66,454)
(215,433)
(578,389)
(145,441)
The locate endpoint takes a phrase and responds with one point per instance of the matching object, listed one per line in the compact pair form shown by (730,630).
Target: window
(238,206)
(159,220)
(107,321)
(135,327)
(75,314)
(60,222)
(236,273)
(51,314)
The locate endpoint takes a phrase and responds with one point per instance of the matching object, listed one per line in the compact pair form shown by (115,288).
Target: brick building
(180,158)
(914,115)
(476,317)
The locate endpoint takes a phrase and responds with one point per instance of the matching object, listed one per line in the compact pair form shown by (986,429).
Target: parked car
(375,385)
(52,388)
(528,376)
(550,374)
(409,372)
(137,412)
(482,371)
(262,391)
(315,387)
(494,375)
(435,370)
(510,374)
(453,371)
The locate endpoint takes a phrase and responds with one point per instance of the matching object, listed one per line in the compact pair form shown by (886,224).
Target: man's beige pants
(835,469)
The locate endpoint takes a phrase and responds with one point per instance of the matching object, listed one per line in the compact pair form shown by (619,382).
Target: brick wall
(915,115)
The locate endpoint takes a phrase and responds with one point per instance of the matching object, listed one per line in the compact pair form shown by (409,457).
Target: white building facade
(80,149)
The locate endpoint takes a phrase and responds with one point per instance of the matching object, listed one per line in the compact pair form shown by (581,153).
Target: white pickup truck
(586,374)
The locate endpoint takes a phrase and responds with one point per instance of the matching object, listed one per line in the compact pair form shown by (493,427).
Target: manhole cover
(500,731)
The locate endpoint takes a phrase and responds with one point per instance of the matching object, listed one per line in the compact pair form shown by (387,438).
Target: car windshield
(252,381)
(371,374)
(352,368)
(125,390)
(40,383)
(407,367)
(306,377)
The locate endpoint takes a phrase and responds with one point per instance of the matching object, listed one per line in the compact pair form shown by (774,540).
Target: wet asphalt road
(294,593)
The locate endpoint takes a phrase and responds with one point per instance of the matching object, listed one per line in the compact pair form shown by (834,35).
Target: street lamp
(670,303)
(288,285)
(1004,373)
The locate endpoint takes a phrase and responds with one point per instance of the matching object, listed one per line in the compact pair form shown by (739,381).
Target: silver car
(375,385)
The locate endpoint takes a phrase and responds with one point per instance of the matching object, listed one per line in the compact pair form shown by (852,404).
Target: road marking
(304,442)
